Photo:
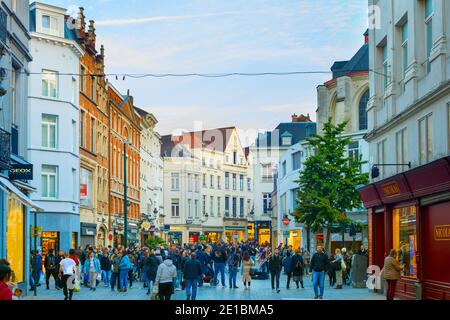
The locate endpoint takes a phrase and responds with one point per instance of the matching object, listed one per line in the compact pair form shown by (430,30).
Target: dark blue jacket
(192,269)
(36,263)
(287,264)
(221,259)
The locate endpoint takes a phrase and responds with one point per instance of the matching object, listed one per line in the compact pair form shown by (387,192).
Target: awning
(26,201)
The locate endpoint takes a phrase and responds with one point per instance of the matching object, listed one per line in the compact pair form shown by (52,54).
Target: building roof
(297,130)
(358,63)
(212,139)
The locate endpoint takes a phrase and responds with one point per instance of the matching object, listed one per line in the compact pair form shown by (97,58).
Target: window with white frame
(175,206)
(429,13)
(249,184)
(426,139)
(267,203)
(189,182)
(196,208)
(296,160)
(74,91)
(241,207)
(402,148)
(283,169)
(211,206)
(50,25)
(405,37)
(283,204)
(175,181)
(234,181)
(381,155)
(218,206)
(286,141)
(49,130)
(204,205)
(49,181)
(189,208)
(353,151)
(241,182)
(227,206)
(92,134)
(385,74)
(218,182)
(227,180)
(211,182)
(49,83)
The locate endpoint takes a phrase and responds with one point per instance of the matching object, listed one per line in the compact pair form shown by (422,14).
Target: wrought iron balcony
(5,149)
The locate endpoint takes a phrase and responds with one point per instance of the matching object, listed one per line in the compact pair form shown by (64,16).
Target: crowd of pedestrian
(162,270)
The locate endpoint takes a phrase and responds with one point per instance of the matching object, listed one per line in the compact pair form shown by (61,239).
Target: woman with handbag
(340,267)
(297,268)
(246,269)
(92,267)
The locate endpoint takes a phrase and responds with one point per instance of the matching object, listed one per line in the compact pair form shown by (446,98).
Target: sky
(216,36)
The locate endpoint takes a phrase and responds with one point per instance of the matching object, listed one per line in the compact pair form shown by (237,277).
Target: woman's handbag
(154,294)
(336,266)
(76,286)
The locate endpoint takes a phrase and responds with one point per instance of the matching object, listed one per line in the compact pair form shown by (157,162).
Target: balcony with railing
(5,149)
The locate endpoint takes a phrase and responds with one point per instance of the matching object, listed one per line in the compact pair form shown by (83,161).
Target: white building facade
(266,153)
(151,176)
(53,119)
(207,187)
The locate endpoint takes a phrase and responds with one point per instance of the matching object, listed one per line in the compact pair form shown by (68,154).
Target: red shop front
(410,212)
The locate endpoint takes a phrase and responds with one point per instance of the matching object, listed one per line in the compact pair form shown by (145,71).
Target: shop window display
(15,249)
(405,239)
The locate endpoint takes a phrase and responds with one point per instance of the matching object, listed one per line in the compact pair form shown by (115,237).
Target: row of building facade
(64,135)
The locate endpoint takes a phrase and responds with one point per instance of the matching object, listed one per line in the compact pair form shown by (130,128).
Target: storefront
(235,234)
(213,236)
(410,213)
(295,239)
(263,231)
(50,240)
(102,236)
(194,237)
(251,231)
(176,237)
(88,232)
(15,215)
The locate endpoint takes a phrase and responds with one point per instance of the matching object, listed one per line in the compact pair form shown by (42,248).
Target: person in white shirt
(67,271)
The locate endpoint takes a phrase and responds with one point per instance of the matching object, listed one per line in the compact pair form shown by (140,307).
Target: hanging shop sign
(21,172)
(442,232)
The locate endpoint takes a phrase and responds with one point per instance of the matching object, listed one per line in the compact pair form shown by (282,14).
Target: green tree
(327,185)
(153,241)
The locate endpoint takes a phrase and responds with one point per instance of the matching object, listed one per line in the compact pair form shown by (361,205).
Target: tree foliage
(327,184)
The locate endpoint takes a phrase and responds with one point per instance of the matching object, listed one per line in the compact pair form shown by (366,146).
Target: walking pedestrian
(150,267)
(164,279)
(340,267)
(115,275)
(105,265)
(36,269)
(317,267)
(246,270)
(67,271)
(192,272)
(234,263)
(287,266)
(124,268)
(51,269)
(275,266)
(219,258)
(297,268)
(92,268)
(5,276)
(391,273)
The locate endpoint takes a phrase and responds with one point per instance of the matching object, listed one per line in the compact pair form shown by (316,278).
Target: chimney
(91,33)
(366,37)
(301,118)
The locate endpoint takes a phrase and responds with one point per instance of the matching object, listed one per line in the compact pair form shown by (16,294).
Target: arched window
(362,110)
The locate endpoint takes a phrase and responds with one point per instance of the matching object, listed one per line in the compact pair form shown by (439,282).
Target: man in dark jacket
(150,266)
(192,273)
(105,267)
(219,258)
(275,266)
(203,259)
(51,264)
(318,266)
(36,269)
(176,259)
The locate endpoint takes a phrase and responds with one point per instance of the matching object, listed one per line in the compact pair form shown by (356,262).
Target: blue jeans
(179,278)
(114,280)
(219,267)
(123,279)
(191,288)
(233,274)
(148,282)
(106,275)
(318,281)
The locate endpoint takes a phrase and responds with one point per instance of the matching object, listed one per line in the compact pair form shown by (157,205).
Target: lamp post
(125,195)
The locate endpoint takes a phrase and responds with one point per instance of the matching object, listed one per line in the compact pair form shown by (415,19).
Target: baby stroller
(209,275)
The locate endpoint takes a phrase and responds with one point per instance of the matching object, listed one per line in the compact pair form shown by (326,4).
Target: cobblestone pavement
(261,290)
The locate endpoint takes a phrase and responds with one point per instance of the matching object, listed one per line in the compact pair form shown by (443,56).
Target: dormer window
(50,25)
(286,139)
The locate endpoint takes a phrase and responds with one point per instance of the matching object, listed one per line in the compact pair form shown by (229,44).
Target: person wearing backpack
(51,269)
(297,268)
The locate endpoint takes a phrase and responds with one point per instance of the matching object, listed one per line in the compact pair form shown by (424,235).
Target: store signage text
(391,189)
(21,172)
(442,232)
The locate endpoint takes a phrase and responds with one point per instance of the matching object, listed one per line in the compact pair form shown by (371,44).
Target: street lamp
(125,195)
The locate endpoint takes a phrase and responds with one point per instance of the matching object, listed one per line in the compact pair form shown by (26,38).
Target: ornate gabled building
(124,134)
(94,134)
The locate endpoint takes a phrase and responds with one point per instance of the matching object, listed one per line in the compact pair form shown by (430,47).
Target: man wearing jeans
(275,265)
(192,273)
(219,257)
(317,267)
(105,265)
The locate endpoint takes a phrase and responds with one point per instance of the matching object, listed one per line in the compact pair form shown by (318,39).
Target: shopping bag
(154,294)
(76,286)
(99,277)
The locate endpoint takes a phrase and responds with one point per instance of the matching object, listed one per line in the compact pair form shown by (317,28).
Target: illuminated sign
(21,172)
